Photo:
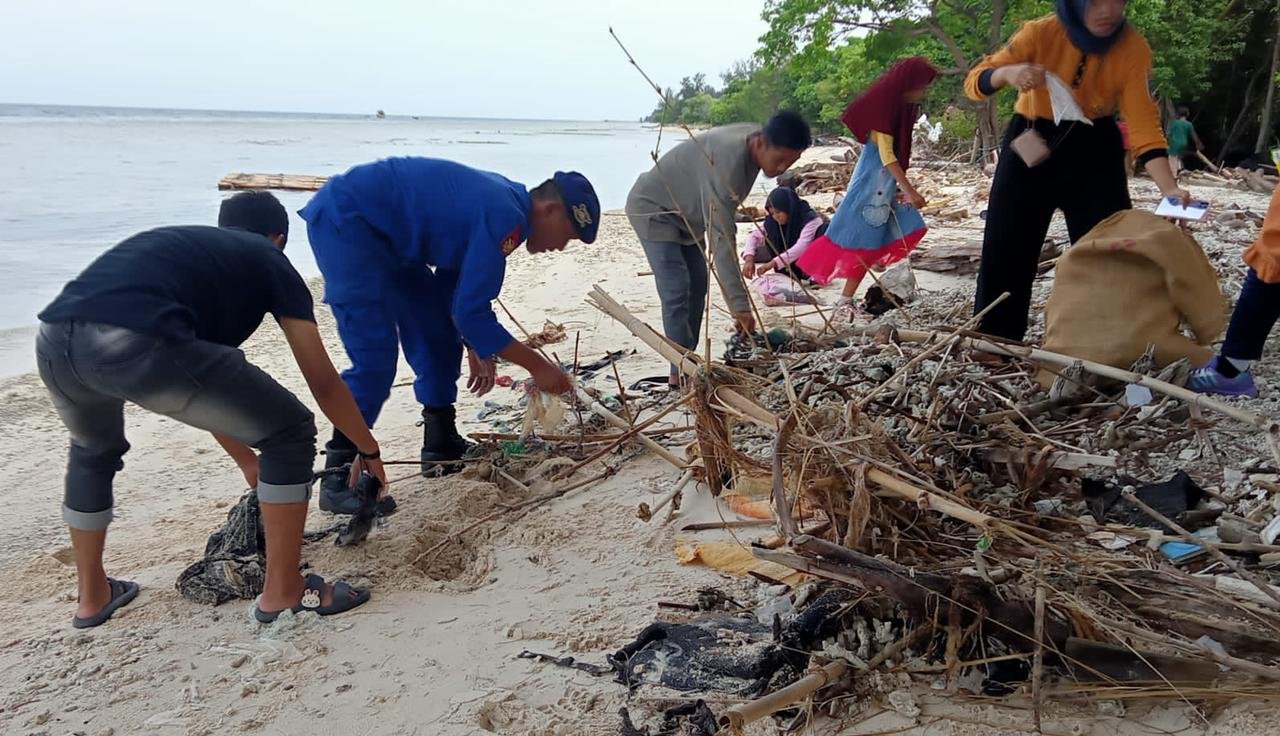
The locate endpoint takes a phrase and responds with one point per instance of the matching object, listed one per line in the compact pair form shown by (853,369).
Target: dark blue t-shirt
(185,283)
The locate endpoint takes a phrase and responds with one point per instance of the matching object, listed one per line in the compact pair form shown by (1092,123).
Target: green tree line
(1221,58)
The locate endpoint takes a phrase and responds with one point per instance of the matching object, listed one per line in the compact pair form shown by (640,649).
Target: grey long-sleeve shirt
(685,181)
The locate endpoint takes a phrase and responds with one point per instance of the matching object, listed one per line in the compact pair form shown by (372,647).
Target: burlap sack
(1130,282)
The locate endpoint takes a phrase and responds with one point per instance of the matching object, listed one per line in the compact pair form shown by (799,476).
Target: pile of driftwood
(819,176)
(1249,180)
(929,472)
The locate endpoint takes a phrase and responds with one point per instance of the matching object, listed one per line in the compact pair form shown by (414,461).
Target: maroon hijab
(882,106)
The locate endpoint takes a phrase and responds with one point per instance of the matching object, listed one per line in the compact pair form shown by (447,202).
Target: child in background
(1256,312)
(872,227)
(790,226)
(1182,135)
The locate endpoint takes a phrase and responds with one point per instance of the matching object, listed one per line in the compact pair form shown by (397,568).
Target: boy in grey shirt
(696,186)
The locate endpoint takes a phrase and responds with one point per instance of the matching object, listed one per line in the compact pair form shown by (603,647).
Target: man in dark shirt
(157,321)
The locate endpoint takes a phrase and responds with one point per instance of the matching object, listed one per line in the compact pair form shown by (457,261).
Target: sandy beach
(435,651)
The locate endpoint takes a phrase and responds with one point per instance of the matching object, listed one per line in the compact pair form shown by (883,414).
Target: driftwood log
(287,182)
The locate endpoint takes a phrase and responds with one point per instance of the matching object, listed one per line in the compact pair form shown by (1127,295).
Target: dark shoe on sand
(345,598)
(122,592)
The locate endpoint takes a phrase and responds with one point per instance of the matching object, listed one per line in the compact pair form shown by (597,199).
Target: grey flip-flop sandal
(122,592)
(345,598)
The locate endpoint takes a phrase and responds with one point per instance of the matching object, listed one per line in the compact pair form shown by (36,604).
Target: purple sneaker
(1207,380)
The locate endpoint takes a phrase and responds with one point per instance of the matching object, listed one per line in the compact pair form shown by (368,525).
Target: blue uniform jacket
(433,213)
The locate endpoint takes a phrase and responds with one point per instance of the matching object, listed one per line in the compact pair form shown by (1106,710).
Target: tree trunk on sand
(989,127)
(1238,126)
(1264,132)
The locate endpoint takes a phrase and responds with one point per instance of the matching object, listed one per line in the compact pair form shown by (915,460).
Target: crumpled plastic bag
(779,289)
(545,410)
(1063,100)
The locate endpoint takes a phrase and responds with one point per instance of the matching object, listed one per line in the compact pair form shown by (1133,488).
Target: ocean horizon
(82,178)
(19,108)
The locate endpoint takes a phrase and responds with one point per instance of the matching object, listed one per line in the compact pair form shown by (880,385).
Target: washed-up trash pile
(1082,543)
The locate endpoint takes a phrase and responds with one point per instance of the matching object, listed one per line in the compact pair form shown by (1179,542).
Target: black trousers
(1084,177)
(1256,313)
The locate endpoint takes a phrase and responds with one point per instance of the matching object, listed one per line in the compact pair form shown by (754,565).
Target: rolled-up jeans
(680,272)
(91,370)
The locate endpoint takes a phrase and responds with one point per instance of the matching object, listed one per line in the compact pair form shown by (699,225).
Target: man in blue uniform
(413,252)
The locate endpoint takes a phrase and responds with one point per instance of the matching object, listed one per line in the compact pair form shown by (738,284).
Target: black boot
(441,441)
(336,496)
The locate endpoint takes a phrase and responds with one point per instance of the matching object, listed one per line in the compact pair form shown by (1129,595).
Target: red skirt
(824,260)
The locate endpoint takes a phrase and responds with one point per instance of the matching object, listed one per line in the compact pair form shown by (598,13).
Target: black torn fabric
(689,719)
(878,302)
(235,559)
(1173,498)
(722,654)
(730,654)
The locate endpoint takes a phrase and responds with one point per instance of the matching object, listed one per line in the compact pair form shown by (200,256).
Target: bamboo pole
(1037,665)
(684,481)
(588,439)
(1267,424)
(740,715)
(622,424)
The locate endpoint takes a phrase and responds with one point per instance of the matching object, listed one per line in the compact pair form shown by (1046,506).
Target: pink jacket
(756,239)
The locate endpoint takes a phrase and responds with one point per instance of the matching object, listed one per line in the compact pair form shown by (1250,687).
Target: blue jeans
(680,272)
(1255,314)
(91,370)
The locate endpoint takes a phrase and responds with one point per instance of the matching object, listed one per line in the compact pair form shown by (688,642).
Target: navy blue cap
(580,203)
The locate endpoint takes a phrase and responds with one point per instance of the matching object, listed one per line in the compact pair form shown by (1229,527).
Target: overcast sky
(483,58)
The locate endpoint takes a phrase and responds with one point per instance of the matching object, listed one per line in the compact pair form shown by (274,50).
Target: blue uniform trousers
(381,306)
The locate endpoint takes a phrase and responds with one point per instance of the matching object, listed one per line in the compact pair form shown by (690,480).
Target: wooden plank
(289,182)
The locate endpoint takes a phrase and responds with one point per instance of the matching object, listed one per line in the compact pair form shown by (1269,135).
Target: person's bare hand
(762,270)
(745,321)
(1025,77)
(550,379)
(483,373)
(914,198)
(748,267)
(374,467)
(1180,194)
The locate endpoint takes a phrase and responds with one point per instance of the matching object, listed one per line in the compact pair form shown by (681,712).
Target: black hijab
(1071,14)
(783,199)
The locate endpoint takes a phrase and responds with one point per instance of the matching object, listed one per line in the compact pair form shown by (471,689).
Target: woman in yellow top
(1106,62)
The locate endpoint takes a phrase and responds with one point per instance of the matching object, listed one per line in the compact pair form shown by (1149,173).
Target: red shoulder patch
(511,241)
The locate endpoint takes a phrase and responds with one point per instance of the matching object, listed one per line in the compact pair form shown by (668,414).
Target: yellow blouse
(1115,82)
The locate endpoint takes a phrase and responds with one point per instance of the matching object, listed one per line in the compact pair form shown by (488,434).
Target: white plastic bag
(1064,102)
(545,410)
(778,289)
